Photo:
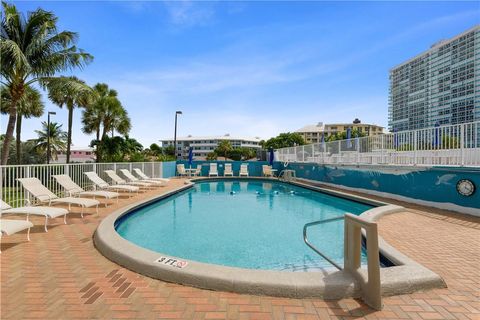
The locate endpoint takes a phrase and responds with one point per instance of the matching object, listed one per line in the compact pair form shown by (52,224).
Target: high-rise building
(439,86)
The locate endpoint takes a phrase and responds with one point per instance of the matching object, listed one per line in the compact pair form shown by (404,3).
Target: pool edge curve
(407,276)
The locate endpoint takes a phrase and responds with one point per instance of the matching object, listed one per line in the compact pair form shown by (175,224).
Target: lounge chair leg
(81,213)
(46,223)
(65,219)
(97,209)
(28,234)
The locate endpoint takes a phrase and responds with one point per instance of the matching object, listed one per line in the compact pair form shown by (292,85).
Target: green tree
(70,92)
(105,114)
(155,149)
(223,148)
(32,50)
(58,139)
(343,135)
(212,156)
(284,140)
(30,105)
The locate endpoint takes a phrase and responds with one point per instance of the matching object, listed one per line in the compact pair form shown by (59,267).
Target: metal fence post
(415,147)
(462,145)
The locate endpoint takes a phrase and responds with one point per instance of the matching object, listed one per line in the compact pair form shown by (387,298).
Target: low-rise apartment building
(202,146)
(313,133)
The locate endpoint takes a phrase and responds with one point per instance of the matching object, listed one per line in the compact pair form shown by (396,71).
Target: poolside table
(190,170)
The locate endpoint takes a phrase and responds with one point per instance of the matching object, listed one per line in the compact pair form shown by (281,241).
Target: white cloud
(188,13)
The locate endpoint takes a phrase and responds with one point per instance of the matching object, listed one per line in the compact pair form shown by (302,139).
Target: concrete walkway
(60,275)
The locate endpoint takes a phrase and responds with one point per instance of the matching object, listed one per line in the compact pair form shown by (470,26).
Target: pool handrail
(311,246)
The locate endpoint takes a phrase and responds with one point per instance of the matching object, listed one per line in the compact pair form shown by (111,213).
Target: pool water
(246,224)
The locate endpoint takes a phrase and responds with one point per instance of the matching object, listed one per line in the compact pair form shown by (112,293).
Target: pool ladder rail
(311,246)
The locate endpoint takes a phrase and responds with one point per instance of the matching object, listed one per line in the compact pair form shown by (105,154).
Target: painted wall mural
(435,184)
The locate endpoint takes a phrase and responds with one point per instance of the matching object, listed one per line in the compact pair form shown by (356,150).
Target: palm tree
(70,92)
(105,111)
(30,105)
(115,118)
(32,50)
(58,139)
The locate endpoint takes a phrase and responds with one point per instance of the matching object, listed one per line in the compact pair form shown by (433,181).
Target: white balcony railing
(452,145)
(12,192)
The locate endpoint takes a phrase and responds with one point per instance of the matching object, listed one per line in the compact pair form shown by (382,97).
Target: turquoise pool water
(246,224)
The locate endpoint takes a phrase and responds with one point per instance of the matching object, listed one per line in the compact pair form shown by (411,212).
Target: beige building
(313,133)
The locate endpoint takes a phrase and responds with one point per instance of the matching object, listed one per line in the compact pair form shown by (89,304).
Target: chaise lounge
(35,187)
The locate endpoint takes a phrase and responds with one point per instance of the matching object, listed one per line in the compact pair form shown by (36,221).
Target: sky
(252,68)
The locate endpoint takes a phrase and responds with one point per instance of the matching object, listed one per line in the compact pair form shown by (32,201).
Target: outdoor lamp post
(175,134)
(48,135)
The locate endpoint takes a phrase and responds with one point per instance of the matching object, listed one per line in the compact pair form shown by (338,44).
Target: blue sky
(248,68)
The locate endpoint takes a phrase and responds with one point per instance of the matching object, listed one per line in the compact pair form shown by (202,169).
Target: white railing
(12,191)
(452,145)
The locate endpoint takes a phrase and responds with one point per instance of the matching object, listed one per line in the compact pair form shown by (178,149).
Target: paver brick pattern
(60,275)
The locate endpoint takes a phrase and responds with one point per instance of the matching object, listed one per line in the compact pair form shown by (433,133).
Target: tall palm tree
(32,50)
(30,105)
(58,139)
(70,92)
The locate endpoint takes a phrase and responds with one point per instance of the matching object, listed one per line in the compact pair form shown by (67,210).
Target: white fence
(454,145)
(12,191)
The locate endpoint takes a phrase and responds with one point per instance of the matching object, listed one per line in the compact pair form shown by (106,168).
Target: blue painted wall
(254,167)
(437,184)
(169,169)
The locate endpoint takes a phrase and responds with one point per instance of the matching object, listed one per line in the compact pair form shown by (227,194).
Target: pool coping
(407,276)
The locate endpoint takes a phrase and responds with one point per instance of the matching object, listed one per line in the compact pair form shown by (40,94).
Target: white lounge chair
(228,170)
(213,170)
(40,192)
(8,227)
(243,170)
(267,171)
(116,179)
(145,177)
(132,178)
(181,172)
(102,184)
(198,171)
(47,212)
(74,190)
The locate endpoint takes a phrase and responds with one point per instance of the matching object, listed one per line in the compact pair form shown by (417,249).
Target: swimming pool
(253,224)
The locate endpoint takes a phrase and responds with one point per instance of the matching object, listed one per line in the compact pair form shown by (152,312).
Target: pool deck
(60,275)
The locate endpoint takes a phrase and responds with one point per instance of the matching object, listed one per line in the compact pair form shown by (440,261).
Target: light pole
(48,135)
(175,134)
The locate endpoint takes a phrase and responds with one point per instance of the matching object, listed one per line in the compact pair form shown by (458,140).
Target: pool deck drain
(41,279)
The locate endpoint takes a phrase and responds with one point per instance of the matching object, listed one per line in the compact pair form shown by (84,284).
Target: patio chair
(198,171)
(116,179)
(74,190)
(181,172)
(132,178)
(102,184)
(145,177)
(213,170)
(243,170)
(267,171)
(35,187)
(8,227)
(47,212)
(228,170)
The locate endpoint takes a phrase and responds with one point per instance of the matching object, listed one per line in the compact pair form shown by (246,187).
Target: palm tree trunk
(9,134)
(69,132)
(18,138)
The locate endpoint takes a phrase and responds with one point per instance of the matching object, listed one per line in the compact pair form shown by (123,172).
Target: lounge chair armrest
(25,203)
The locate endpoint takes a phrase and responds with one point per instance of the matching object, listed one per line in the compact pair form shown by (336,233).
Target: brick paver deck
(60,275)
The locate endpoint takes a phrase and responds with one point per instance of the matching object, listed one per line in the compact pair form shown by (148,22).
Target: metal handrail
(311,246)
